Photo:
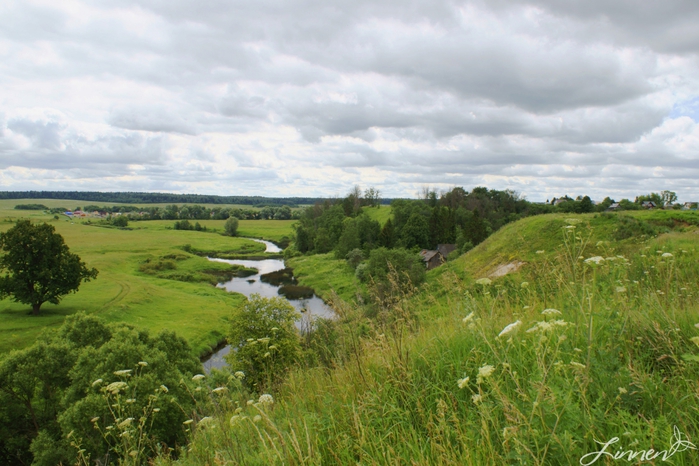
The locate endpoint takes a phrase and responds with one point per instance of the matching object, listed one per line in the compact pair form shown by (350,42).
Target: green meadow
(146,278)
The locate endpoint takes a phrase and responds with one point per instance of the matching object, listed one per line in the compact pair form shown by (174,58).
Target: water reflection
(271,279)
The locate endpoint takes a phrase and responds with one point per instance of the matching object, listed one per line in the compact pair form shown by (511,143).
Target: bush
(409,268)
(354,257)
(231,226)
(121,221)
(266,342)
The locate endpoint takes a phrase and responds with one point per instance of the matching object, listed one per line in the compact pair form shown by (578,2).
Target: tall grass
(582,346)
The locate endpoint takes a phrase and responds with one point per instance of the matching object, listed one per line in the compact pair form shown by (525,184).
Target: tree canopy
(38,266)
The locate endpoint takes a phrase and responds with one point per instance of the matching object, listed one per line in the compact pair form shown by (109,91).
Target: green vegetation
(147,278)
(586,339)
(266,340)
(231,226)
(91,391)
(40,268)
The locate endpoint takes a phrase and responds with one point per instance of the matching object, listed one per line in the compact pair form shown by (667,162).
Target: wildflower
(525,284)
(96,382)
(484,281)
(266,399)
(125,423)
(94,419)
(142,363)
(238,410)
(577,365)
(666,254)
(220,390)
(234,420)
(164,388)
(510,328)
(125,372)
(239,374)
(257,418)
(620,289)
(476,399)
(623,391)
(131,400)
(198,377)
(541,251)
(550,312)
(484,372)
(469,317)
(250,402)
(205,421)
(263,340)
(250,340)
(198,389)
(462,382)
(695,340)
(696,325)
(156,410)
(188,422)
(116,387)
(267,354)
(275,329)
(595,259)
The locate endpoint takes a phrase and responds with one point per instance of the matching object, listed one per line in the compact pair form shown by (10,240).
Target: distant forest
(162,198)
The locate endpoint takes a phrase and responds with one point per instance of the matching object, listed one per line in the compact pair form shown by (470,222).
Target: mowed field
(177,297)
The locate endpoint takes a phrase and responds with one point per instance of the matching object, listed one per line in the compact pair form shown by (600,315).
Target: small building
(432,258)
(446,249)
(613,206)
(648,205)
(690,206)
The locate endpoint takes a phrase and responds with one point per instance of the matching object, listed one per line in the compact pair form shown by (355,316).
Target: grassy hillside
(593,338)
(146,278)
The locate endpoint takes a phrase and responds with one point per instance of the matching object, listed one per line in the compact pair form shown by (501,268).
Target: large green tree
(37,265)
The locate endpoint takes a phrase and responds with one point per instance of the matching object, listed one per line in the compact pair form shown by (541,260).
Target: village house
(432,258)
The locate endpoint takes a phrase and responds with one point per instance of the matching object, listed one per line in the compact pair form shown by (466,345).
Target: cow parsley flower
(239,375)
(99,381)
(198,377)
(695,340)
(125,372)
(551,312)
(484,372)
(594,260)
(257,418)
(220,390)
(510,328)
(476,399)
(266,399)
(666,254)
(577,365)
(469,317)
(463,382)
(484,281)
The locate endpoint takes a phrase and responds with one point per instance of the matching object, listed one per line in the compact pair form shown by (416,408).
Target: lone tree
(37,265)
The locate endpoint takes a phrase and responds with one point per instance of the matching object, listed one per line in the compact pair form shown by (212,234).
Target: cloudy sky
(310,97)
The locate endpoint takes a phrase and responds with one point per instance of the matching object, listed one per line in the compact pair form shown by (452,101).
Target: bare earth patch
(504,269)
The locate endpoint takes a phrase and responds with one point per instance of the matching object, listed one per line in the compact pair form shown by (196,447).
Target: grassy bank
(592,338)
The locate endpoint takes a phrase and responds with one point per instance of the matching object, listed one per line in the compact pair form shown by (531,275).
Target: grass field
(145,277)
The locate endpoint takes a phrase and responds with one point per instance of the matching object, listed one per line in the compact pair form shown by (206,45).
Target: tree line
(158,198)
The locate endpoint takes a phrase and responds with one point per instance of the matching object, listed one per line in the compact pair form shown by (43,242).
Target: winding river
(268,287)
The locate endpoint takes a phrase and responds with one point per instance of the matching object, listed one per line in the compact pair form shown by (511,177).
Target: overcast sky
(311,97)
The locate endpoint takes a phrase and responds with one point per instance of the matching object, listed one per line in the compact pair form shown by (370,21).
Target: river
(269,287)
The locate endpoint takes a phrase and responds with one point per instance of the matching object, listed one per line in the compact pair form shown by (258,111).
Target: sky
(312,97)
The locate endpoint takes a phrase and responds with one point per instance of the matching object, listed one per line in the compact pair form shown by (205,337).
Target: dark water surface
(272,279)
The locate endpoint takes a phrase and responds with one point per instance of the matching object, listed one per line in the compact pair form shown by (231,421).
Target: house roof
(428,254)
(445,249)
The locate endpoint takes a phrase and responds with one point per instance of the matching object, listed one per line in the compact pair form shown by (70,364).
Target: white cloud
(307,97)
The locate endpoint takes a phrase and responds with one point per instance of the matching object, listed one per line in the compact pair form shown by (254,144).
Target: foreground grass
(593,338)
(146,278)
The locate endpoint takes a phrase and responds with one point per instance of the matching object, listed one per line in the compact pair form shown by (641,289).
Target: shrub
(265,339)
(231,226)
(354,257)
